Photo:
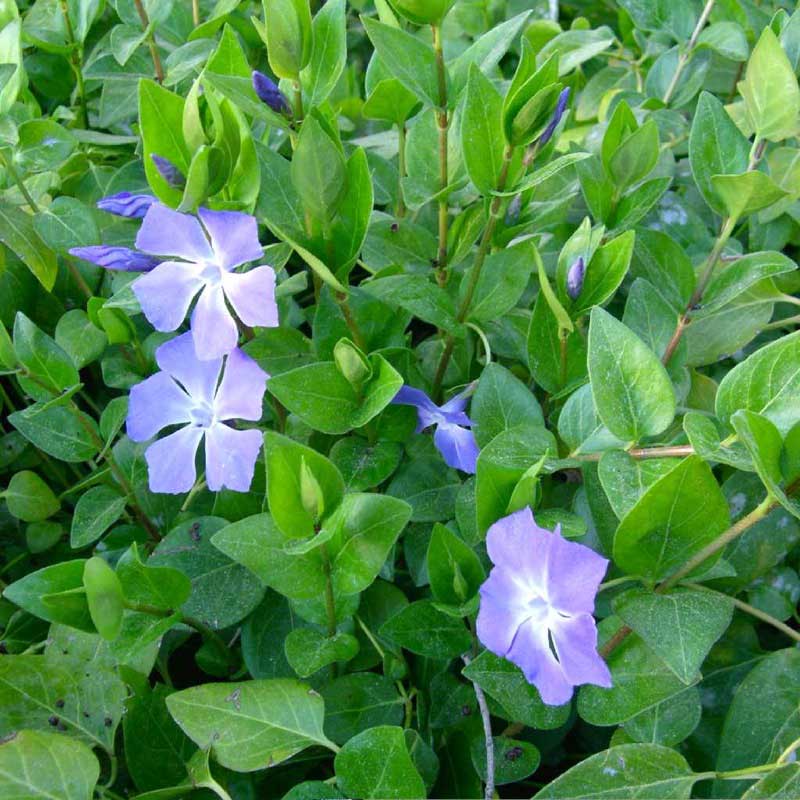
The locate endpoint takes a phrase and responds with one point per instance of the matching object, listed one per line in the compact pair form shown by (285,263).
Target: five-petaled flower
(189,392)
(209,252)
(537,605)
(452,437)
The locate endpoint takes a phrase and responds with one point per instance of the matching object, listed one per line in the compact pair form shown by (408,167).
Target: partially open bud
(352,363)
(169,172)
(557,114)
(311,493)
(269,93)
(423,12)
(575,278)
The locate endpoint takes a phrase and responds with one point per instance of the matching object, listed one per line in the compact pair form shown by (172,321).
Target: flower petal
(575,639)
(165,293)
(170,461)
(453,409)
(574,572)
(241,393)
(231,457)
(154,404)
(213,328)
(178,359)
(503,609)
(167,232)
(234,237)
(252,295)
(532,654)
(427,411)
(457,445)
(519,544)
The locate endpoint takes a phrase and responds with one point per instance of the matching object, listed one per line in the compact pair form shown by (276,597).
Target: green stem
(299,111)
(15,176)
(443,125)
(151,40)
(196,12)
(76,59)
(487,734)
(330,599)
(683,58)
(475,273)
(351,323)
(400,211)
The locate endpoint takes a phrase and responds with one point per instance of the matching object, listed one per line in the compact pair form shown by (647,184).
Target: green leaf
(681,626)
(625,479)
(364,465)
(162,587)
(664,263)
(79,338)
(482,132)
(780,784)
(252,724)
(43,145)
(289,36)
(29,498)
(308,651)
(770,91)
(632,391)
(454,569)
(328,53)
(223,592)
(727,39)
(716,147)
(520,701)
(674,519)
(407,58)
(640,681)
(359,701)
(42,357)
(95,512)
(421,628)
(284,458)
(767,382)
(500,402)
(37,764)
(68,435)
(416,294)
(514,759)
(763,718)
(35,688)
(634,158)
(604,273)
(746,193)
(502,463)
(376,764)
(625,772)
(765,444)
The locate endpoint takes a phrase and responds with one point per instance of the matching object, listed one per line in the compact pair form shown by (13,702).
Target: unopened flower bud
(561,106)
(311,492)
(125,204)
(269,93)
(113,257)
(169,172)
(575,277)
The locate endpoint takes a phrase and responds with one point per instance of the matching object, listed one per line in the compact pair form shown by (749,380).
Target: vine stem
(683,58)
(442,124)
(643,453)
(722,541)
(486,718)
(475,274)
(76,59)
(196,12)
(151,41)
(192,622)
(17,178)
(400,210)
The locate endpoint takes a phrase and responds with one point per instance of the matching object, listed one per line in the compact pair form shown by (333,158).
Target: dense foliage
(491,339)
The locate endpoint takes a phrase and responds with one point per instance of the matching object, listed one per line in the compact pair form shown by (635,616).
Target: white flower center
(202,415)
(211,275)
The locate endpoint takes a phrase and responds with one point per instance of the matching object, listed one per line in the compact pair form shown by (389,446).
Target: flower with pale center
(452,437)
(208,253)
(537,606)
(189,392)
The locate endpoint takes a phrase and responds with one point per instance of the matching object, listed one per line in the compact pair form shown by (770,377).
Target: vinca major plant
(400,399)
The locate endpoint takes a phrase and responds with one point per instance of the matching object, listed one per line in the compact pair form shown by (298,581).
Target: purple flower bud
(575,276)
(118,258)
(169,172)
(125,204)
(561,106)
(269,93)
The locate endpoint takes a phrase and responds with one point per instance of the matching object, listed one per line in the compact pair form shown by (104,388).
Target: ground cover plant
(401,399)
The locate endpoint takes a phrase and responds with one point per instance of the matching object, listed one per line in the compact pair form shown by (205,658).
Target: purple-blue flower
(125,204)
(269,93)
(537,606)
(561,106)
(169,172)
(209,253)
(452,437)
(575,277)
(188,392)
(114,257)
